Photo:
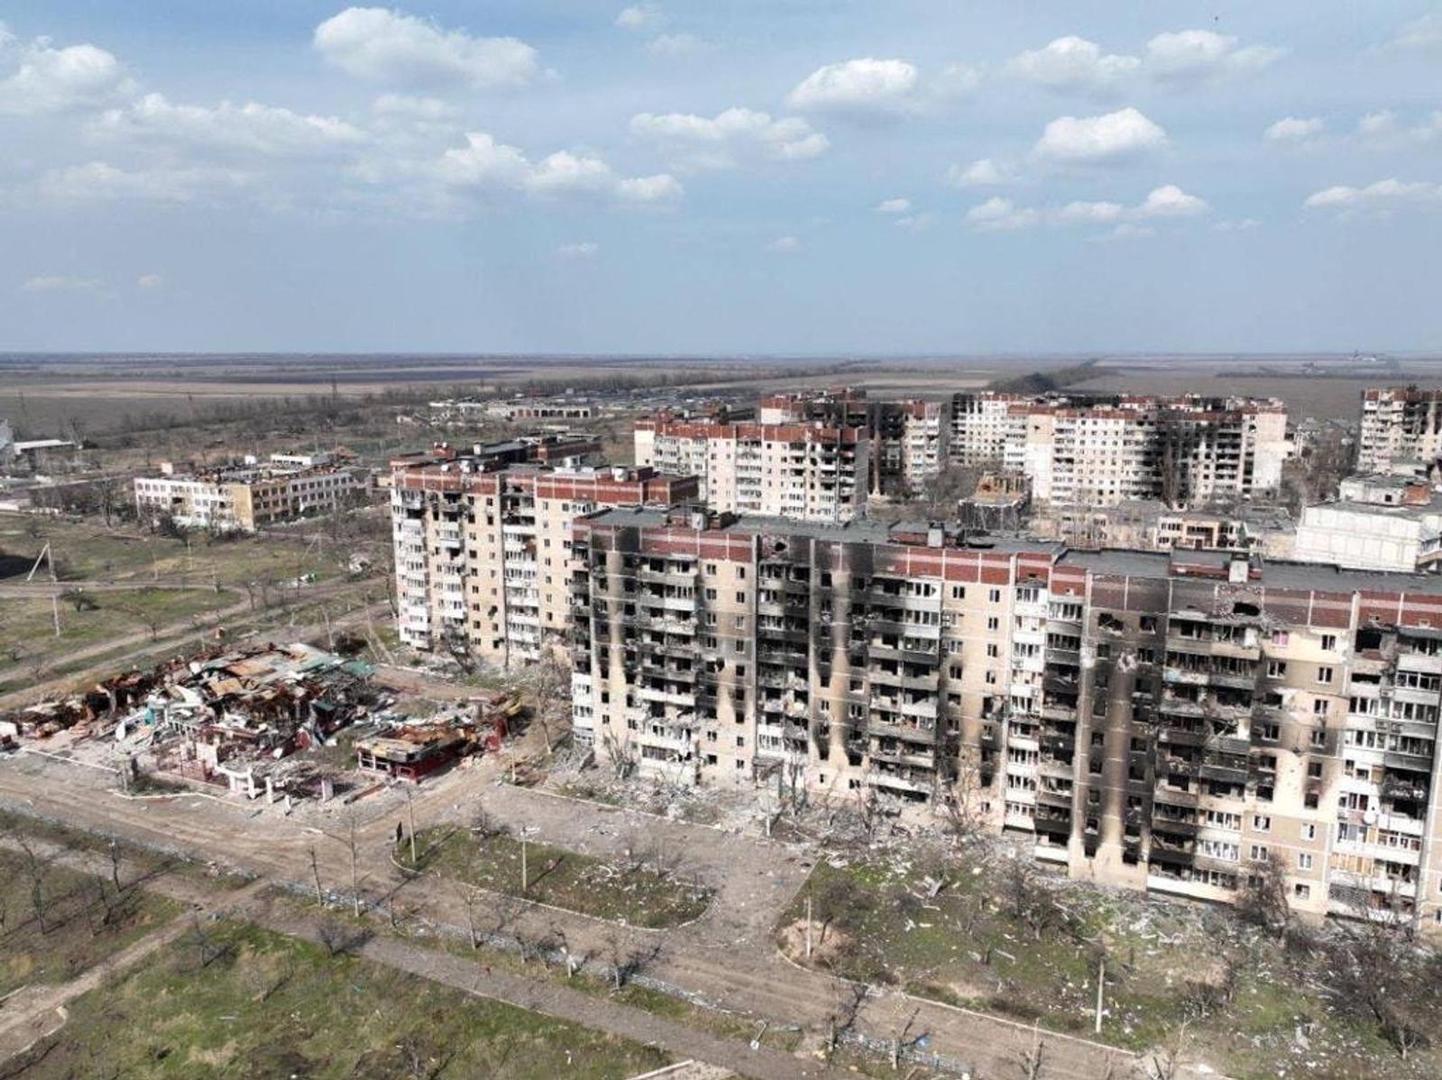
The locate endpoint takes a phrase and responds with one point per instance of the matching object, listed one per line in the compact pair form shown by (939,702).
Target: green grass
(77,933)
(87,551)
(136,861)
(968,946)
(266,1006)
(561,878)
(28,624)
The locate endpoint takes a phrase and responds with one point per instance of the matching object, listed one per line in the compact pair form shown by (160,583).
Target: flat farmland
(1324,398)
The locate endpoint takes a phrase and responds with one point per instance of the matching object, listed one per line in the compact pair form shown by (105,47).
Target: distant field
(1338,399)
(100,394)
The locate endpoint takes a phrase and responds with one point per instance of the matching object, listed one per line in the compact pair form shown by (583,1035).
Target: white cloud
(1171,201)
(149,281)
(1382,129)
(661,188)
(1382,196)
(564,172)
(984,172)
(407,107)
(60,283)
(1128,231)
(1420,35)
(784,245)
(675,45)
(585,249)
(389,46)
(721,141)
(486,165)
(915,222)
(639,16)
(1295,129)
(1165,202)
(483,162)
(51,80)
(99,181)
(1239,225)
(1088,213)
(893,206)
(955,80)
(1202,54)
(1381,122)
(248,129)
(998,214)
(863,86)
(1072,63)
(1110,137)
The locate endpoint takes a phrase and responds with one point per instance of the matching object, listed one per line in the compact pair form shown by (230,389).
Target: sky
(817,177)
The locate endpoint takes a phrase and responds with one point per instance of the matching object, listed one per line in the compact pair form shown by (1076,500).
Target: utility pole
(315,872)
(523,866)
(808,925)
(354,878)
(55,610)
(411,808)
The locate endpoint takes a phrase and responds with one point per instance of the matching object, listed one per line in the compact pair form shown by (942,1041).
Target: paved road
(726,958)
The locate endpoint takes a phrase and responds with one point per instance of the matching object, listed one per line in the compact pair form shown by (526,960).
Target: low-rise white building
(1379,523)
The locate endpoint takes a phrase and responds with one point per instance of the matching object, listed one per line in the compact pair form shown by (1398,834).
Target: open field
(637,895)
(85,919)
(999,938)
(98,396)
(232,1000)
(1332,399)
(87,551)
(27,625)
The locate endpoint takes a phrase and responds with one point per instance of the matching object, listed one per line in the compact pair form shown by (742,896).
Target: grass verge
(635,895)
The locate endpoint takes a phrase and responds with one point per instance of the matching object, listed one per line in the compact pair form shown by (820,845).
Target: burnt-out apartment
(1166,721)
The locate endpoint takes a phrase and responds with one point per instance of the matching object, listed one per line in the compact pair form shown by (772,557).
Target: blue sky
(753,176)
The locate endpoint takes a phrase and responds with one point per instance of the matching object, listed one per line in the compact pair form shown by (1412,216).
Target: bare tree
(338,938)
(961,804)
(315,875)
(621,753)
(1165,1062)
(631,954)
(484,825)
(206,950)
(1031,1059)
(1376,971)
(1263,899)
(471,898)
(36,868)
(843,1018)
(116,858)
(552,683)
